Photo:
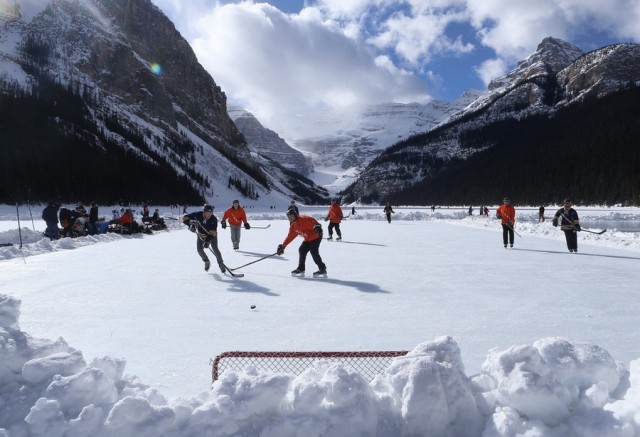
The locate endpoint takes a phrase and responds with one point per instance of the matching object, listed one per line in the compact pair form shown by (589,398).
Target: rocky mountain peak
(551,56)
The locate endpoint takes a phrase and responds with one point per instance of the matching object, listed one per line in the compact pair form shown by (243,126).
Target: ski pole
(31,215)
(19,230)
(253,262)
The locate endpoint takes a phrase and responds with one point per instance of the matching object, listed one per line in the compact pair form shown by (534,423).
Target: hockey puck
(253,307)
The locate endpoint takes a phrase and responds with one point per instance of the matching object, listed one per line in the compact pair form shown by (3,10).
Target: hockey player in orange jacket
(334,217)
(235,216)
(311,232)
(507,215)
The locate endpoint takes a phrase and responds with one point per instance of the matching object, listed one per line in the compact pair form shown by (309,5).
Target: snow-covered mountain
(557,77)
(268,143)
(343,143)
(137,91)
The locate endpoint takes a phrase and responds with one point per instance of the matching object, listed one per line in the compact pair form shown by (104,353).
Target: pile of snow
(553,387)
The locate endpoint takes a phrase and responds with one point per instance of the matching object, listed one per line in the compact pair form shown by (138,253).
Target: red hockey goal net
(367,363)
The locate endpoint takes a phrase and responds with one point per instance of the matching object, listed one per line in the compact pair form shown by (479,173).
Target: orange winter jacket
(235,217)
(335,213)
(302,226)
(507,212)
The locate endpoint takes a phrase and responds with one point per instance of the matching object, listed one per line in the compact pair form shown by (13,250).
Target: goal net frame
(367,363)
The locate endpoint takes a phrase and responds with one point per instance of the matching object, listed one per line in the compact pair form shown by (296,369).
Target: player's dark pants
(337,227)
(389,217)
(314,248)
(571,236)
(214,248)
(507,233)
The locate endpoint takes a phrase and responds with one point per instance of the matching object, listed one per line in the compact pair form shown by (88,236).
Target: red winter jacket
(508,214)
(335,213)
(302,226)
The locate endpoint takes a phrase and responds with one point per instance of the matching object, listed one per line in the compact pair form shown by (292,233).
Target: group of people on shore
(65,222)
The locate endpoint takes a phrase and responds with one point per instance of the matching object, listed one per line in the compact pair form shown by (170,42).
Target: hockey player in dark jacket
(569,224)
(205,225)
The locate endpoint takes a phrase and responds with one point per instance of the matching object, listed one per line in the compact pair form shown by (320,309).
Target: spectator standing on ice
(93,218)
(541,213)
(507,215)
(50,217)
(311,232)
(204,224)
(569,224)
(388,211)
(334,217)
(235,216)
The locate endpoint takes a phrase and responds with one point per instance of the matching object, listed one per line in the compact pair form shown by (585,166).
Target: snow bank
(551,388)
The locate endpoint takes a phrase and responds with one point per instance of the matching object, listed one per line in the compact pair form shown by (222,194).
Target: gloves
(213,233)
(247,226)
(318,229)
(193,225)
(499,216)
(223,224)
(206,244)
(326,219)
(280,250)
(555,223)
(578,228)
(510,224)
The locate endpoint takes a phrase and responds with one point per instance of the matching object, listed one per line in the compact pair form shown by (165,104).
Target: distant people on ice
(334,217)
(569,224)
(353,210)
(235,216)
(146,213)
(541,213)
(388,211)
(81,209)
(471,210)
(293,207)
(204,224)
(311,232)
(507,215)
(486,211)
(67,220)
(50,217)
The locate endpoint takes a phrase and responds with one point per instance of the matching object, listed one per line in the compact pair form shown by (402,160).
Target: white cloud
(334,52)
(278,64)
(490,69)
(513,28)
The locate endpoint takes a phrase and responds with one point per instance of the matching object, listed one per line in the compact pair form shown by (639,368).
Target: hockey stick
(260,227)
(6,244)
(510,227)
(594,232)
(253,262)
(582,230)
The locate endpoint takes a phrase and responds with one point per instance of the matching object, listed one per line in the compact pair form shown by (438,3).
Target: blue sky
(286,58)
